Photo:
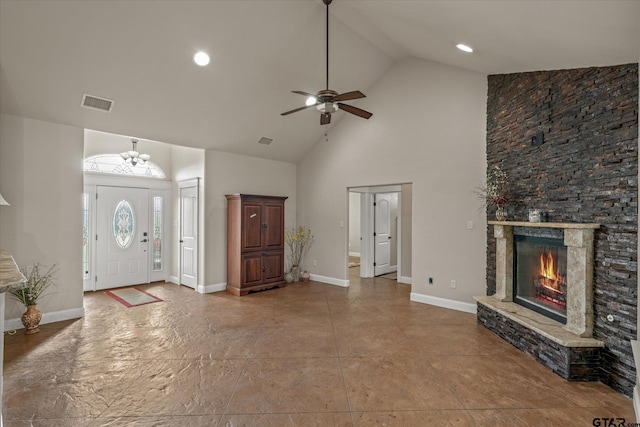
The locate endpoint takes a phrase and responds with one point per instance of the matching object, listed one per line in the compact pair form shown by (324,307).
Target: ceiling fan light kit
(328,101)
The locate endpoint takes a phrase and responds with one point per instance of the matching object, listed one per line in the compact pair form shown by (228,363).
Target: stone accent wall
(586,171)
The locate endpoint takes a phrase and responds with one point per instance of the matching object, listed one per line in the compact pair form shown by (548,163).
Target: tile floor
(305,355)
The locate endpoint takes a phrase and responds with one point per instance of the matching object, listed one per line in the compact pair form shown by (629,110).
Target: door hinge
(374,204)
(96,279)
(374,234)
(96,196)
(374,264)
(96,237)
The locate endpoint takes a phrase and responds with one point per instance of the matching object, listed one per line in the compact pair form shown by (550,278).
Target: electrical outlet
(453,284)
(315,263)
(431,280)
(469,225)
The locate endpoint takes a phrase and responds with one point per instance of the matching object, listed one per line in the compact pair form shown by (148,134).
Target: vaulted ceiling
(139,54)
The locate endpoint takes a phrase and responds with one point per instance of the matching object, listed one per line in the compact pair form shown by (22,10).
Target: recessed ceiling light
(201,59)
(464,48)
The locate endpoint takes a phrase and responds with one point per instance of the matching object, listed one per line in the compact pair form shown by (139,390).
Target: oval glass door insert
(123,224)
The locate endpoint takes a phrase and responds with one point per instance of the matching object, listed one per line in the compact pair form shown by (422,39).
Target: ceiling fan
(328,101)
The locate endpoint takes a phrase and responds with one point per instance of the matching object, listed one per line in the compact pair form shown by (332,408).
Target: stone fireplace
(544,296)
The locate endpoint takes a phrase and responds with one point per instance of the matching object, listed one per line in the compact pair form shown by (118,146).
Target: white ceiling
(139,54)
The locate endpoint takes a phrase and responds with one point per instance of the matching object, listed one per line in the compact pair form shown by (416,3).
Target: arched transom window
(113,164)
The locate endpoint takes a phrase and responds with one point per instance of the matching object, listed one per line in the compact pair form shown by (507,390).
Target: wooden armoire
(255,243)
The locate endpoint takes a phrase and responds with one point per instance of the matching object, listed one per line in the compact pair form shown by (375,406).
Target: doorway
(122,237)
(189,211)
(380,230)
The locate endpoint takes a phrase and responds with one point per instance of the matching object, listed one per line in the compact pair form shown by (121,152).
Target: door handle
(143,241)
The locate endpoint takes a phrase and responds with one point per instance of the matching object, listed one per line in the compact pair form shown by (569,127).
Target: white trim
(444,302)
(404,279)
(329,280)
(55,316)
(173,279)
(207,289)
(354,254)
(191,182)
(125,181)
(636,401)
(393,188)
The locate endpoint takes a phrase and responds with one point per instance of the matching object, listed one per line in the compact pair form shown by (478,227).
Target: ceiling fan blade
(356,94)
(355,110)
(299,92)
(295,110)
(325,118)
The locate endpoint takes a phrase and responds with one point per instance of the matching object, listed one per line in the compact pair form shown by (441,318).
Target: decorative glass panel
(85,236)
(157,233)
(123,224)
(113,164)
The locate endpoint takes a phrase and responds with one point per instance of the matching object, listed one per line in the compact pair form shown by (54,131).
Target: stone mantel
(568,225)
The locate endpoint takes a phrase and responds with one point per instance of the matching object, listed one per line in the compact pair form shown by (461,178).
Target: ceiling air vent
(95,103)
(264,140)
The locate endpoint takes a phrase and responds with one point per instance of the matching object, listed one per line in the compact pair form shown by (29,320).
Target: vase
(295,270)
(288,277)
(305,277)
(31,320)
(501,213)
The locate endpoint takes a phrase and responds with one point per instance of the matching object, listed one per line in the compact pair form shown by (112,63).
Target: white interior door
(189,236)
(382,237)
(122,237)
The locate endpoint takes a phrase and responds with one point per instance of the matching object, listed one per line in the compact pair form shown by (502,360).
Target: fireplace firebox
(540,275)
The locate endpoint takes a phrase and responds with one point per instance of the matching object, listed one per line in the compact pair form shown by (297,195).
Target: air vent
(265,140)
(95,103)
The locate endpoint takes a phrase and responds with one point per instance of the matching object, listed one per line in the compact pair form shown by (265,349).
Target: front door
(382,233)
(189,236)
(123,237)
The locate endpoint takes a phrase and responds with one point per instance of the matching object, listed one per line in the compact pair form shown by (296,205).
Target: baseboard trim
(354,254)
(54,316)
(174,279)
(404,279)
(444,302)
(207,289)
(330,280)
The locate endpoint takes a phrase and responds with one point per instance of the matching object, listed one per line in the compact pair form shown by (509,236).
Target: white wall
(227,173)
(428,128)
(41,177)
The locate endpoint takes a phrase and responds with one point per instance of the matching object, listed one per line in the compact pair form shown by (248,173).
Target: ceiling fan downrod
(327,2)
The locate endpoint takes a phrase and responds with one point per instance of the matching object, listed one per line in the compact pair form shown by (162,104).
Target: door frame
(190,183)
(156,188)
(367,197)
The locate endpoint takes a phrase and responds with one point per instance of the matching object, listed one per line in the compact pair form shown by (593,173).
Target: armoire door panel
(252,226)
(275,267)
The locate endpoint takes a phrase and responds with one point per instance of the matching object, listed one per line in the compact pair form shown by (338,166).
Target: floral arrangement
(37,284)
(299,240)
(495,191)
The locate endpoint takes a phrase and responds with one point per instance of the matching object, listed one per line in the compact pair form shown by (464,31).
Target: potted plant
(34,289)
(495,192)
(299,240)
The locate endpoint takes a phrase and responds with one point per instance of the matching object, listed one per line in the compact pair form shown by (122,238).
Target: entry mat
(132,297)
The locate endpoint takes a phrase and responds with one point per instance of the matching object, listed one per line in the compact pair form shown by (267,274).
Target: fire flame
(549,276)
